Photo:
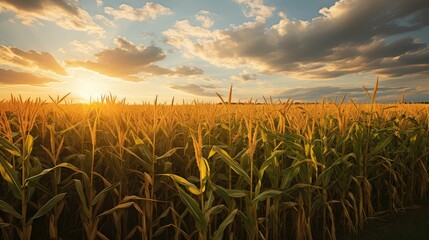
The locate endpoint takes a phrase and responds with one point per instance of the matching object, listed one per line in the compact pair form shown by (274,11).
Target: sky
(192,49)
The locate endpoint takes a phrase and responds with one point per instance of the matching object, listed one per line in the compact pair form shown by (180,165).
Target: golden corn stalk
(285,170)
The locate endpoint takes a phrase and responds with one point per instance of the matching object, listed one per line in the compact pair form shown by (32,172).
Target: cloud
(81,47)
(99,3)
(12,77)
(149,11)
(66,14)
(124,61)
(187,71)
(96,43)
(61,50)
(204,18)
(357,94)
(16,57)
(86,47)
(349,37)
(181,71)
(256,8)
(128,60)
(415,89)
(244,76)
(105,21)
(193,89)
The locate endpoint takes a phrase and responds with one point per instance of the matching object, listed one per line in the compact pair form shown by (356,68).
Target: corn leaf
(169,153)
(231,163)
(9,147)
(267,194)
(189,186)
(46,171)
(11,177)
(213,211)
(47,207)
(5,207)
(218,234)
(103,193)
(224,192)
(117,207)
(193,208)
(28,146)
(3,225)
(80,193)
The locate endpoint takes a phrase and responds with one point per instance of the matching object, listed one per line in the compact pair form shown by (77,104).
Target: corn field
(277,170)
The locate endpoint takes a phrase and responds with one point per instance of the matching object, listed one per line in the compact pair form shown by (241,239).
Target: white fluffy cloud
(30,60)
(204,18)
(256,8)
(129,61)
(149,11)
(105,21)
(65,13)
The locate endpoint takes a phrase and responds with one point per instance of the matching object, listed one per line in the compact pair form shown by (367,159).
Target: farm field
(145,138)
(110,170)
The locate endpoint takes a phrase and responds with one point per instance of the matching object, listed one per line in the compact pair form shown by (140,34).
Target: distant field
(109,170)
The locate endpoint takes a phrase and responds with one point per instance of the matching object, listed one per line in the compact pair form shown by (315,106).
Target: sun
(90,89)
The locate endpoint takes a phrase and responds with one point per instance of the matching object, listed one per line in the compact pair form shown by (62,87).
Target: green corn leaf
(80,193)
(288,176)
(224,192)
(169,153)
(103,193)
(163,228)
(190,186)
(213,211)
(210,198)
(5,207)
(193,208)
(382,146)
(289,173)
(9,147)
(268,162)
(231,163)
(145,164)
(267,194)
(117,207)
(218,234)
(11,177)
(325,177)
(47,207)
(46,171)
(300,185)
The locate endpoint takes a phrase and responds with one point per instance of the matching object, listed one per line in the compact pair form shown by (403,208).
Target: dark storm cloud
(349,37)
